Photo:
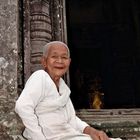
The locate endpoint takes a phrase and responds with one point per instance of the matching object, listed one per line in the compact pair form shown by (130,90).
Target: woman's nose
(59,59)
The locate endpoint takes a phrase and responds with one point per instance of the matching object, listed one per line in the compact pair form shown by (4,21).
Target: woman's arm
(26,103)
(95,134)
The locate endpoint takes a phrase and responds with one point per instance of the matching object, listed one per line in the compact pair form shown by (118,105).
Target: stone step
(124,123)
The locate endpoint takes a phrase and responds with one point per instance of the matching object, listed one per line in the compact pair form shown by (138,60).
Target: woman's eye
(64,57)
(57,57)
(54,56)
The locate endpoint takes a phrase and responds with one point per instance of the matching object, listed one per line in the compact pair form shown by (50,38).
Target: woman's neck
(56,81)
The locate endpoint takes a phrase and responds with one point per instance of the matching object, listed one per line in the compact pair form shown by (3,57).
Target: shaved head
(52,43)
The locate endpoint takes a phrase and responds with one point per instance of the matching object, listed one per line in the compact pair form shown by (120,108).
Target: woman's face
(57,61)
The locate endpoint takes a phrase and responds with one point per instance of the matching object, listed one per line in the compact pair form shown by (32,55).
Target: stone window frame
(59,16)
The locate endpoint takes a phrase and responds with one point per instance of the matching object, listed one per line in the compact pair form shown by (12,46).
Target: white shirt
(47,114)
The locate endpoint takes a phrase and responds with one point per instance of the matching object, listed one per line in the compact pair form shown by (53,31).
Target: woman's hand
(96,134)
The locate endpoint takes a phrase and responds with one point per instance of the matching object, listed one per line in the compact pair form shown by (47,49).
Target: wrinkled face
(57,61)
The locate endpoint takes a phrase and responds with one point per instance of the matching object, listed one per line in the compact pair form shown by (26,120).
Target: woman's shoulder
(39,77)
(39,74)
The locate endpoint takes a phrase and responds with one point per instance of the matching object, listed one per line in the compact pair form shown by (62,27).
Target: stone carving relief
(37,32)
(44,20)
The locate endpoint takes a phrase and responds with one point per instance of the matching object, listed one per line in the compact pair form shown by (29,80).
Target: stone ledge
(124,123)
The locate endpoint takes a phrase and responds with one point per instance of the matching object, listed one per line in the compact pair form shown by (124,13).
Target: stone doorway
(104,40)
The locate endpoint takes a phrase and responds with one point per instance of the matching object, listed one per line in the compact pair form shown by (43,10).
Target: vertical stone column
(8,67)
(40,30)
(58,18)
(37,32)
(59,27)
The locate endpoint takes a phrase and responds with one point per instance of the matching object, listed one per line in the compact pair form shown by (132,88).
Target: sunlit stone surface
(9,126)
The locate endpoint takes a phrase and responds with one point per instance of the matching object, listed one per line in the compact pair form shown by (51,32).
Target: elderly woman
(45,106)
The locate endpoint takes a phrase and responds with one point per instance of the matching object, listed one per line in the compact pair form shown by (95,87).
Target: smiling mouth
(59,68)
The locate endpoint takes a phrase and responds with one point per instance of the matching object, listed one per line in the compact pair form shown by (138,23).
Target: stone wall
(8,67)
